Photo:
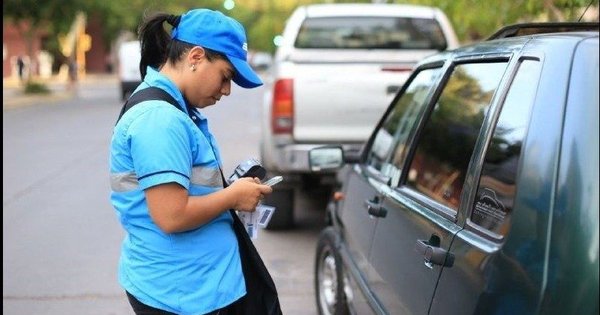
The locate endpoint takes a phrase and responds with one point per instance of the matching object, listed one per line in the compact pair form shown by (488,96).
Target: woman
(180,254)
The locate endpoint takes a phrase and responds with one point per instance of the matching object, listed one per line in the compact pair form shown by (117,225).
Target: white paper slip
(249,219)
(264,215)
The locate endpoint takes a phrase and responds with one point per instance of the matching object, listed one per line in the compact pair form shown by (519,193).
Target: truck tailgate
(339,96)
(342,101)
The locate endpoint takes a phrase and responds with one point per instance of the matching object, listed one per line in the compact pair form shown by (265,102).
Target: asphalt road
(61,237)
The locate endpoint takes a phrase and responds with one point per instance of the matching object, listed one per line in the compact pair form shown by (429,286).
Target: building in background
(95,57)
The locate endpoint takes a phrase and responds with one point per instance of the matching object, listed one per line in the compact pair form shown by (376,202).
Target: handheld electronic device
(273,180)
(248,168)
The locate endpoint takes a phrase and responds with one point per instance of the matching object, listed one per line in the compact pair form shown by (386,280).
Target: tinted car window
(371,33)
(447,140)
(497,187)
(400,121)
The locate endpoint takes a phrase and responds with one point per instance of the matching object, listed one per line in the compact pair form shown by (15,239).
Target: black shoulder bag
(261,294)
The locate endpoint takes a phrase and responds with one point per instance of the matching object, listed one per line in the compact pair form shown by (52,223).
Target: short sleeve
(161,147)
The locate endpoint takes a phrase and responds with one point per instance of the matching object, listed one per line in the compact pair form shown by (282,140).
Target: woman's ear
(196,55)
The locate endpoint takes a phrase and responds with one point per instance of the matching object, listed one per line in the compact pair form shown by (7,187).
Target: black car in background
(477,193)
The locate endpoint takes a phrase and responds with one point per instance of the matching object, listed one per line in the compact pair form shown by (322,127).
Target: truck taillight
(282,112)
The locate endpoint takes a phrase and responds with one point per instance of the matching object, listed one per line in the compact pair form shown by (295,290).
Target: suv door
(488,211)
(410,244)
(523,249)
(368,183)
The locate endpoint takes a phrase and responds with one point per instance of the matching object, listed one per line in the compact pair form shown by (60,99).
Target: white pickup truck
(336,70)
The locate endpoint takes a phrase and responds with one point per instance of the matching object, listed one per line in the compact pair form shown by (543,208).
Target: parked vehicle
(260,61)
(477,192)
(129,67)
(342,61)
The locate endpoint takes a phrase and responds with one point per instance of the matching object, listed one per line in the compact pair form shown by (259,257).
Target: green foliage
(264,19)
(475,19)
(32,87)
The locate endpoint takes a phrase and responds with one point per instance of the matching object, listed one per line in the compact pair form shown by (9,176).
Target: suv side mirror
(326,158)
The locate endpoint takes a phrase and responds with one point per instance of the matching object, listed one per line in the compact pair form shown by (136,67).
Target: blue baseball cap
(218,32)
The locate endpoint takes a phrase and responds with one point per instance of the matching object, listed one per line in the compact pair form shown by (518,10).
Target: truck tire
(282,199)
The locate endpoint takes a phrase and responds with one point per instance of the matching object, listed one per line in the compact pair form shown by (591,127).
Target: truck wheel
(282,199)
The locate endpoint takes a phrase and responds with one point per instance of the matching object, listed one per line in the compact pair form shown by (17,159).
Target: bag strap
(151,93)
(248,251)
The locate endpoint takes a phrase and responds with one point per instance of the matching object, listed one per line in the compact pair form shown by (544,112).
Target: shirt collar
(157,79)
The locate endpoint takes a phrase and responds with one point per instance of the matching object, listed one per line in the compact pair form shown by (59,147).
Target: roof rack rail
(543,27)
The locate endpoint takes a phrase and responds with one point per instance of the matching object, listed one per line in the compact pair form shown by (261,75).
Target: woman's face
(210,81)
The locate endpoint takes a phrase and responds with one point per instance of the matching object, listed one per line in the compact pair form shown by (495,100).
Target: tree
(475,20)
(263,19)
(31,16)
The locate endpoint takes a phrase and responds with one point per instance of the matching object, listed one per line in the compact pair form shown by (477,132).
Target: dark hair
(157,48)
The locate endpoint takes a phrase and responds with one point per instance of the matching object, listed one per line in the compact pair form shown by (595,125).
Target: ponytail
(155,41)
(173,20)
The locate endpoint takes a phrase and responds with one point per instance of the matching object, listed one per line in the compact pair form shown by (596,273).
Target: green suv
(477,192)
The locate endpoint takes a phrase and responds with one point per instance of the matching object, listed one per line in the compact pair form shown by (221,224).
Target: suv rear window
(497,185)
(371,33)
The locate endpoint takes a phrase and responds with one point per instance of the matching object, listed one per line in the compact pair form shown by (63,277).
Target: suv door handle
(434,255)
(374,208)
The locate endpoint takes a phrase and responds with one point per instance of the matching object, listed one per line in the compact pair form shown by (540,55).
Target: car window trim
(450,65)
(482,144)
(376,174)
(426,202)
(483,57)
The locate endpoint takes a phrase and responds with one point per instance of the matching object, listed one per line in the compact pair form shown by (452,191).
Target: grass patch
(36,88)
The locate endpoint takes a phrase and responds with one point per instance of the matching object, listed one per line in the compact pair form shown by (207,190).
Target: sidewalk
(13,95)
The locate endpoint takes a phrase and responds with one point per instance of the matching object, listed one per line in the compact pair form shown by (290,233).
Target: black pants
(142,309)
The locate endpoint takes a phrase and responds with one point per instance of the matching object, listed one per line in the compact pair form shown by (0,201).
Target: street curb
(20,99)
(14,97)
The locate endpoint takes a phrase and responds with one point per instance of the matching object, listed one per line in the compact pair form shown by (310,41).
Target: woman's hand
(173,210)
(248,192)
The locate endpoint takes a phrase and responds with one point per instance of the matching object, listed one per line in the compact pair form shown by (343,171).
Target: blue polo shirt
(192,272)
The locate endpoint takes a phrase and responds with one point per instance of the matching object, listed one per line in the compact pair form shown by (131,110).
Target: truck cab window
(377,32)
